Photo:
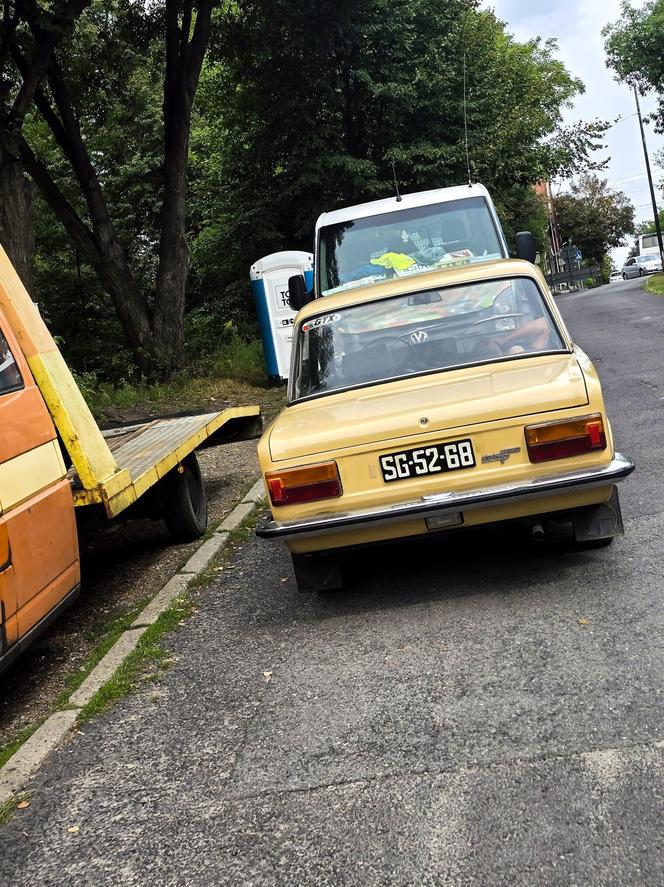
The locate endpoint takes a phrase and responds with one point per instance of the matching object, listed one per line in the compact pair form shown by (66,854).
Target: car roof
(418,282)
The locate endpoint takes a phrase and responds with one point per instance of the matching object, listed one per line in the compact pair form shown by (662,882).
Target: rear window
(420,333)
(10,377)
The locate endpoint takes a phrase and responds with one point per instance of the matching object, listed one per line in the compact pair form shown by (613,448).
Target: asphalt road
(485,712)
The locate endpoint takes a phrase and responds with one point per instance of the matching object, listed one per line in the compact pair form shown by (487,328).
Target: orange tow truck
(55,461)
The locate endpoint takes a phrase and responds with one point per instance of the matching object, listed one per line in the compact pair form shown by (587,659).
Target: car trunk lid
(425,407)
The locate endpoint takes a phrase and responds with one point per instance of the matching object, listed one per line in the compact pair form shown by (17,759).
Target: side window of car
(631,262)
(10,376)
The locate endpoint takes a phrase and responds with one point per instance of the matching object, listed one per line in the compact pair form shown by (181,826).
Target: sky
(577,26)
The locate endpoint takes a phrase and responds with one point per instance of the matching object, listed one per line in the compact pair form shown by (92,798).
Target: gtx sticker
(326,320)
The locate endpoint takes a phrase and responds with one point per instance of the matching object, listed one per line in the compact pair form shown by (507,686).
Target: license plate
(435,459)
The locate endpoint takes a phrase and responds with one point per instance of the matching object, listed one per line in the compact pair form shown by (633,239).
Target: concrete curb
(25,762)
(106,667)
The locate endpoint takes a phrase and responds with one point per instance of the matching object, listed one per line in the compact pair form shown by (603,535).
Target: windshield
(408,241)
(646,260)
(422,332)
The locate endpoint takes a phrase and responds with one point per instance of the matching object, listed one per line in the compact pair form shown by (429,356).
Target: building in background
(553,261)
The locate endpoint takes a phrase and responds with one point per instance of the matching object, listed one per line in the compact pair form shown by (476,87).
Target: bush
(240,360)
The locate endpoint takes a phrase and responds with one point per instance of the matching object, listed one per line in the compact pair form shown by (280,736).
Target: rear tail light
(560,440)
(309,484)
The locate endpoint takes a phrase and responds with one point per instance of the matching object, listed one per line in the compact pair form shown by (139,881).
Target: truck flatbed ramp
(146,452)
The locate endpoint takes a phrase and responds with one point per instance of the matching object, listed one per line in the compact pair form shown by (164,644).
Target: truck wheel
(314,572)
(185,504)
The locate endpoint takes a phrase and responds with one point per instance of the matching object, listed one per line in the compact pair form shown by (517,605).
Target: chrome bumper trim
(428,506)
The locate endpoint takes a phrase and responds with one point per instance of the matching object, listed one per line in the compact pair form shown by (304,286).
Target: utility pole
(652,189)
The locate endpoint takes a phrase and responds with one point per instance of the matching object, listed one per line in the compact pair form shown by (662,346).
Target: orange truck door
(39,566)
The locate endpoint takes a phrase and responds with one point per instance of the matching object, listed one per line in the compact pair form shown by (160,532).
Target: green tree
(648,226)
(93,95)
(302,111)
(594,218)
(635,49)
(29,36)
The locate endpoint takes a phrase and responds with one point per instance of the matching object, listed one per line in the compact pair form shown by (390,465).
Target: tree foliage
(594,218)
(75,100)
(648,226)
(299,109)
(635,49)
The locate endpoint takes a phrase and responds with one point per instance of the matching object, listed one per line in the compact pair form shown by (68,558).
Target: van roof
(390,204)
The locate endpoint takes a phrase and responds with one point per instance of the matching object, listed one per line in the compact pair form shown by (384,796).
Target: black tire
(624,276)
(185,510)
(315,572)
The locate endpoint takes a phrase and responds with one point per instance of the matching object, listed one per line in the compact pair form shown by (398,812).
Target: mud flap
(602,521)
(316,572)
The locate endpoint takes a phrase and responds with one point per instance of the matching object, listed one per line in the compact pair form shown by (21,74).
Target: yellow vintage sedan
(433,403)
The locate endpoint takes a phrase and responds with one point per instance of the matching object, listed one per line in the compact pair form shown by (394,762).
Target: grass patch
(11,747)
(148,651)
(230,376)
(236,537)
(8,809)
(109,631)
(242,533)
(655,285)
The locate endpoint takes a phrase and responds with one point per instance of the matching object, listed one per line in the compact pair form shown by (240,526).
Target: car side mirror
(297,292)
(526,248)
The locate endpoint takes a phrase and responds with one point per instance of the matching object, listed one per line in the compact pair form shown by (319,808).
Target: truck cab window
(10,377)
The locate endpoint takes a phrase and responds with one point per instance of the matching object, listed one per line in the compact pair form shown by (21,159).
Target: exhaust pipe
(537,531)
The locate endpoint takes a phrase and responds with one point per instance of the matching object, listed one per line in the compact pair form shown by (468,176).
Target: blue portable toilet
(269,282)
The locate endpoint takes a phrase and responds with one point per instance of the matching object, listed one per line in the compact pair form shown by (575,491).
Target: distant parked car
(615,275)
(639,266)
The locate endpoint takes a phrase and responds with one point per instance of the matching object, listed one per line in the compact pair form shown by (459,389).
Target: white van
(364,244)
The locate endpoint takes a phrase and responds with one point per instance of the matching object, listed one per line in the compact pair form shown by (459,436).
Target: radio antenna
(465,119)
(396,183)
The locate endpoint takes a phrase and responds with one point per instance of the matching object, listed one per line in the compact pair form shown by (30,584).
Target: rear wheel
(624,277)
(317,572)
(185,509)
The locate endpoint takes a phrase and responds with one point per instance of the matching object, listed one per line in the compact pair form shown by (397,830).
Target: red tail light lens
(308,484)
(560,440)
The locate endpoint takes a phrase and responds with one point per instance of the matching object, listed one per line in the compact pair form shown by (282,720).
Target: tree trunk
(16,210)
(173,272)
(184,58)
(107,258)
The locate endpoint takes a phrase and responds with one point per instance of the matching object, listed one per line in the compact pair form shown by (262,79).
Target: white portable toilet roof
(286,259)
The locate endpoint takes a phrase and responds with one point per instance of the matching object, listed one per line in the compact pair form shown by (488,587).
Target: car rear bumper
(441,503)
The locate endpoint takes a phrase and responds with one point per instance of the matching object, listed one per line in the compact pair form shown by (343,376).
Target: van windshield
(421,332)
(407,241)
